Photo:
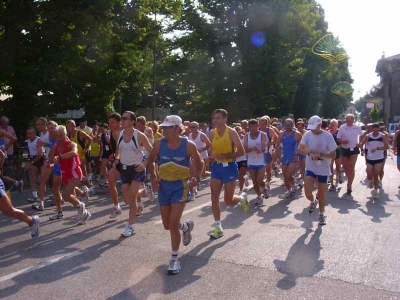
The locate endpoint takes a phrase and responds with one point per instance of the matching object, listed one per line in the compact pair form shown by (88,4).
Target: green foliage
(374,114)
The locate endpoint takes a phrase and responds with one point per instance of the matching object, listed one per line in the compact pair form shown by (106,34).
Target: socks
(34,194)
(184,226)
(174,255)
(218,224)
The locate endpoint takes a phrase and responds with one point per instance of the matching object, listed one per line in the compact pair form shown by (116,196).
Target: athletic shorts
(171,192)
(76,173)
(94,159)
(256,168)
(339,153)
(374,162)
(267,158)
(225,172)
(39,163)
(129,174)
(56,170)
(106,154)
(348,152)
(2,189)
(319,178)
(242,164)
(288,159)
(302,157)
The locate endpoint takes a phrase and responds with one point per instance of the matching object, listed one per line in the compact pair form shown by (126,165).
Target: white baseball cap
(314,122)
(172,121)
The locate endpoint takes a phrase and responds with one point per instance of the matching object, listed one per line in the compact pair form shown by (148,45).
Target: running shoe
(149,191)
(375,194)
(81,210)
(139,211)
(288,194)
(259,201)
(380,184)
(246,180)
(33,199)
(198,186)
(35,228)
(349,191)
(332,188)
(191,197)
(20,186)
(340,180)
(195,190)
(85,218)
(313,205)
(322,219)
(217,233)
(301,183)
(57,216)
(371,184)
(115,212)
(85,197)
(38,206)
(187,235)
(266,193)
(128,231)
(173,267)
(244,204)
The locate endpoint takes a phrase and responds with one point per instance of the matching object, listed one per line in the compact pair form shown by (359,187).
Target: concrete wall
(394,91)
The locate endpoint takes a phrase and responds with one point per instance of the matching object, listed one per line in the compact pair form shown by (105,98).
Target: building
(388,68)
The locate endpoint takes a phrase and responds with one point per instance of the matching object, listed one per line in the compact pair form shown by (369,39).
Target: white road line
(39,266)
(198,207)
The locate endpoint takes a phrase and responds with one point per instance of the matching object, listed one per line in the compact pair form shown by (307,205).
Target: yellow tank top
(95,149)
(75,140)
(222,144)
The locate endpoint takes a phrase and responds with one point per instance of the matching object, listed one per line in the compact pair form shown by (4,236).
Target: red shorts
(76,173)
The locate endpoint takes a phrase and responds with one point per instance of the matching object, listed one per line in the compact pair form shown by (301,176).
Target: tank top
(32,147)
(45,138)
(372,143)
(95,148)
(335,137)
(67,164)
(106,146)
(173,164)
(76,139)
(129,153)
(243,157)
(222,144)
(289,144)
(199,144)
(254,158)
(113,143)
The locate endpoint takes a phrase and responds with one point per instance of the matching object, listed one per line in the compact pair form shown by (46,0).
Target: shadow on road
(159,283)
(301,261)
(376,208)
(343,204)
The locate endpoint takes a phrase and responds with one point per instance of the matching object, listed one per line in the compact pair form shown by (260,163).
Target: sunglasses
(125,118)
(288,125)
(167,127)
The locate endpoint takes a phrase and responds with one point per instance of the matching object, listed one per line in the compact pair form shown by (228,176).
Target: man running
(376,144)
(174,153)
(65,154)
(334,125)
(129,161)
(36,153)
(396,146)
(320,148)
(114,123)
(290,140)
(225,148)
(202,144)
(348,137)
(255,143)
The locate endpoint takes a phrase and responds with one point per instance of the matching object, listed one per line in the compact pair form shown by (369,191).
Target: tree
(374,114)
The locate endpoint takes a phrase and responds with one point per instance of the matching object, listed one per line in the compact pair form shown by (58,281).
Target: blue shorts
(255,168)
(398,159)
(288,159)
(302,157)
(319,178)
(56,170)
(225,174)
(171,192)
(267,158)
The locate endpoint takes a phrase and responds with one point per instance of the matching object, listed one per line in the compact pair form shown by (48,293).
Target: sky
(366,29)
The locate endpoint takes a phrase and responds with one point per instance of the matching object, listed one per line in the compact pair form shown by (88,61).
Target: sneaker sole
(190,234)
(216,238)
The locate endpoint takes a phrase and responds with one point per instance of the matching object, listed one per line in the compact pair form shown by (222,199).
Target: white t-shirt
(350,134)
(45,139)
(323,143)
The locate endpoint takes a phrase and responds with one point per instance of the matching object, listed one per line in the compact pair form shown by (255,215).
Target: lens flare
(258,38)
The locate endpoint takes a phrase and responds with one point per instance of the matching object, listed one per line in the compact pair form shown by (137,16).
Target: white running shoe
(246,180)
(86,216)
(375,194)
(173,267)
(81,210)
(187,235)
(322,219)
(115,212)
(380,184)
(191,197)
(128,231)
(35,228)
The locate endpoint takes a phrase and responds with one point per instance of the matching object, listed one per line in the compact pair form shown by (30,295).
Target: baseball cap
(314,122)
(172,121)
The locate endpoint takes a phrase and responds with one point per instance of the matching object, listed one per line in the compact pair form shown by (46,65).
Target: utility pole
(153,108)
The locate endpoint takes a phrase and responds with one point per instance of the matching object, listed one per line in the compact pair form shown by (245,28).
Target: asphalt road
(275,252)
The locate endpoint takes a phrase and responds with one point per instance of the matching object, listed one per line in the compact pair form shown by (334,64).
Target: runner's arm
(9,136)
(152,157)
(237,143)
(278,142)
(246,144)
(197,161)
(385,143)
(205,140)
(144,141)
(73,150)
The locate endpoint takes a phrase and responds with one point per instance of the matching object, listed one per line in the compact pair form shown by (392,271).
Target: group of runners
(172,158)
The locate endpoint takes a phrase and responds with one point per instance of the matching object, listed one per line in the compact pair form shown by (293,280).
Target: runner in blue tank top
(289,139)
(174,153)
